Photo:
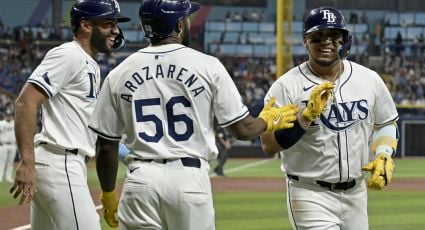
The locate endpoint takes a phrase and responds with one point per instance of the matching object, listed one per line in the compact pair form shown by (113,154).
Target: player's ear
(305,42)
(85,25)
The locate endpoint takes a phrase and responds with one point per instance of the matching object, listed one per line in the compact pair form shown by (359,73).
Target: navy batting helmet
(159,17)
(93,9)
(328,18)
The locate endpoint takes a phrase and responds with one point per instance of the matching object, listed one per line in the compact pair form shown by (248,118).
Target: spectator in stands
(364,19)
(353,18)
(399,47)
(421,44)
(237,17)
(228,16)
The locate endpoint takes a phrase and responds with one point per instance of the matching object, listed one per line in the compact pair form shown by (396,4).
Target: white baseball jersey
(72,83)
(7,132)
(165,98)
(335,146)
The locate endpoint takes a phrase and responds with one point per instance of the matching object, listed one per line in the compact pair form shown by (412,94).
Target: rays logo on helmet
(117,6)
(328,15)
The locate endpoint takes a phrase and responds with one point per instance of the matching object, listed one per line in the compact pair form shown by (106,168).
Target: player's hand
(25,182)
(382,171)
(110,208)
(318,100)
(278,118)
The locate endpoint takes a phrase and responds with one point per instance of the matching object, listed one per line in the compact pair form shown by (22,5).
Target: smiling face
(323,46)
(103,34)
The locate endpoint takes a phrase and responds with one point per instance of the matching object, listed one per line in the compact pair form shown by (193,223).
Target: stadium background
(388,38)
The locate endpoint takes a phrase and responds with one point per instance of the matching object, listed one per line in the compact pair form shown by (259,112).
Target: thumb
(270,103)
(368,167)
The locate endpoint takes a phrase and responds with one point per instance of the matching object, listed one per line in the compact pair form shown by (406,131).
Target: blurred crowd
(403,71)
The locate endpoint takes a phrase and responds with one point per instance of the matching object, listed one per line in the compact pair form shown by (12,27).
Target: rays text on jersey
(163,72)
(344,115)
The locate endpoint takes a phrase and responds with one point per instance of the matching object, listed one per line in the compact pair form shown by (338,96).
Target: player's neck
(327,73)
(85,45)
(165,41)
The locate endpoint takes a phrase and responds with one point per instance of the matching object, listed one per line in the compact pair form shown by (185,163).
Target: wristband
(286,138)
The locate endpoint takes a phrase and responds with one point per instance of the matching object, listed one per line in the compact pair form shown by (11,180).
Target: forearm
(248,128)
(107,163)
(25,127)
(269,144)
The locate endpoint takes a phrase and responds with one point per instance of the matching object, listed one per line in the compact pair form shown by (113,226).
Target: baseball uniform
(70,78)
(334,148)
(8,147)
(166,105)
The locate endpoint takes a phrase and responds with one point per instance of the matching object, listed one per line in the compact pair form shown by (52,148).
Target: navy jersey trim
(290,203)
(41,85)
(163,52)
(388,122)
(70,191)
(233,120)
(348,78)
(104,135)
(299,69)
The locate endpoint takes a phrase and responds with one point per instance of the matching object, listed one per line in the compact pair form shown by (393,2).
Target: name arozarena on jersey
(172,72)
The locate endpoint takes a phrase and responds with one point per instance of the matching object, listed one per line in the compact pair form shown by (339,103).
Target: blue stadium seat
(268,27)
(244,50)
(231,37)
(249,26)
(233,26)
(215,26)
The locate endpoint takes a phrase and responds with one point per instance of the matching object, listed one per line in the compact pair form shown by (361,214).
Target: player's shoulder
(67,51)
(292,75)
(360,70)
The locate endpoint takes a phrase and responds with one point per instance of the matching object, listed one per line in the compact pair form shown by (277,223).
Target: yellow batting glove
(278,118)
(318,100)
(110,208)
(382,171)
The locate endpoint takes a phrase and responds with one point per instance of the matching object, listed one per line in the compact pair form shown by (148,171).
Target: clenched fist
(110,208)
(382,171)
(278,118)
(318,100)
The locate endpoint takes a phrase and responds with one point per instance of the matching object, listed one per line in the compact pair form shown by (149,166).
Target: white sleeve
(104,121)
(55,70)
(280,92)
(228,105)
(385,110)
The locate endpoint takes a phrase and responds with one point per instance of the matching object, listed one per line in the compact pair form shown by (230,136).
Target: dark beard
(326,63)
(98,41)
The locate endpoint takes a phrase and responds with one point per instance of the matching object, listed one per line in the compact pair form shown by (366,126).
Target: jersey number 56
(172,118)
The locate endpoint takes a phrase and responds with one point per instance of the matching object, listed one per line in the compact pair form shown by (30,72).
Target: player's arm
(107,163)
(107,167)
(248,128)
(270,119)
(26,109)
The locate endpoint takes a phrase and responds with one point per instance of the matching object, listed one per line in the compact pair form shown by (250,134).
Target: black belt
(186,161)
(72,151)
(331,186)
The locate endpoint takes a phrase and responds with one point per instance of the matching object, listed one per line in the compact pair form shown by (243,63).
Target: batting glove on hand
(110,208)
(318,100)
(382,171)
(278,118)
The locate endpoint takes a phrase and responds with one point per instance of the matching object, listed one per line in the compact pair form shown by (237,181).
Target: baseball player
(3,155)
(8,146)
(53,175)
(343,106)
(164,98)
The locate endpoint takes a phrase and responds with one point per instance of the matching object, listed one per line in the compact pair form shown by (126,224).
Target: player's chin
(326,61)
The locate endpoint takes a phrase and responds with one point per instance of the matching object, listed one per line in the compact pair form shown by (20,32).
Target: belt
(72,151)
(331,186)
(186,161)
